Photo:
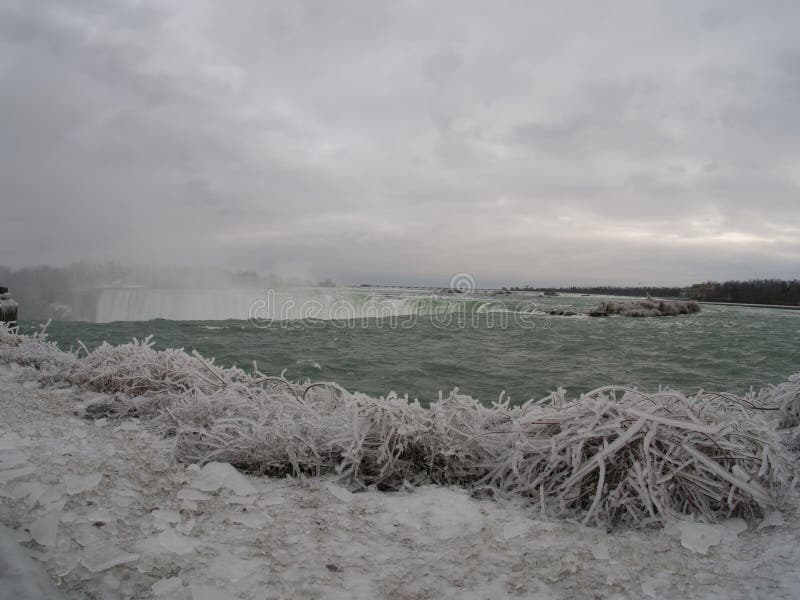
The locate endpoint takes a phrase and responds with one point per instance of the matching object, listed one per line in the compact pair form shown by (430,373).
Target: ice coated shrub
(645,308)
(785,397)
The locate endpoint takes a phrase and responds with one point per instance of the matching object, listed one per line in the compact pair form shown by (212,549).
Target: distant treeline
(755,291)
(609,290)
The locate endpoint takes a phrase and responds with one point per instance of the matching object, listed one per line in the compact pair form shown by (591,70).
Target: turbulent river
(416,342)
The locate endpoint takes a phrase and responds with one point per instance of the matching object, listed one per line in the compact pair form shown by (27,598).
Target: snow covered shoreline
(106,509)
(285,538)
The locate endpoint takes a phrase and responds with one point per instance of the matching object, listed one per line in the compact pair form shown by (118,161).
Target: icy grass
(613,456)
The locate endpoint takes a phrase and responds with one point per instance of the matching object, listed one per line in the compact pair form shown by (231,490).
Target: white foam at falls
(142,304)
(138,304)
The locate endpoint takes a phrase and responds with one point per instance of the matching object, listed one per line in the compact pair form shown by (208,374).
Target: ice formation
(649,307)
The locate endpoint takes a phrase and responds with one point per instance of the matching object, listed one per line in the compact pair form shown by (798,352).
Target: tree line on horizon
(753,291)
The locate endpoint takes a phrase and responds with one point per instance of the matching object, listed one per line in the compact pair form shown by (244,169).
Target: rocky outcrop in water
(649,307)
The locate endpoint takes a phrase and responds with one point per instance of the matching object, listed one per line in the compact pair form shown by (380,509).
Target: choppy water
(724,347)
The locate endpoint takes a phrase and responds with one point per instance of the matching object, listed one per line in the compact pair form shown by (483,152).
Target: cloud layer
(581,142)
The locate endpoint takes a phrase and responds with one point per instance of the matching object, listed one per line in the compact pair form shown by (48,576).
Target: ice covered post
(8,308)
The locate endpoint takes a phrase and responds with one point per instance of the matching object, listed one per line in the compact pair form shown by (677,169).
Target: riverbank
(108,512)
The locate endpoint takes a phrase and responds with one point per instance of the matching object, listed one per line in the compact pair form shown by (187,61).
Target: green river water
(725,348)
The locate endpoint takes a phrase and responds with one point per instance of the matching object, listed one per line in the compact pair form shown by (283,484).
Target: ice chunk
(163,517)
(66,563)
(600,551)
(273,501)
(11,441)
(52,494)
(99,515)
(731,529)
(216,475)
(231,568)
(55,504)
(192,495)
(12,458)
(252,519)
(32,490)
(699,537)
(773,519)
(167,586)
(205,592)
(244,500)
(12,474)
(171,541)
(131,425)
(110,582)
(78,484)
(655,587)
(22,536)
(515,528)
(45,529)
(101,557)
(20,577)
(186,528)
(339,492)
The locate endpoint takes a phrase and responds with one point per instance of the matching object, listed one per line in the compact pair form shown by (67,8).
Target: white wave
(142,304)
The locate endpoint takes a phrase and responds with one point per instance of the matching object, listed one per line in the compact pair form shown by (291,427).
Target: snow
(45,529)
(166,586)
(12,474)
(206,592)
(339,492)
(698,537)
(145,529)
(773,519)
(216,475)
(105,556)
(169,540)
(78,484)
(20,577)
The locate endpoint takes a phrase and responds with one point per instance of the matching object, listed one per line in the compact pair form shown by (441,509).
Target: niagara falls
(399,300)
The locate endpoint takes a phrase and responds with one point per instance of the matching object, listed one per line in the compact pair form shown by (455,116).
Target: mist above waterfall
(110,291)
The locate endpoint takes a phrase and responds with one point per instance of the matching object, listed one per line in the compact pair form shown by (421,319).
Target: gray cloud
(402,141)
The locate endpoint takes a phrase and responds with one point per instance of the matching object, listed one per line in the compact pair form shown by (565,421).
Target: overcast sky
(560,142)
